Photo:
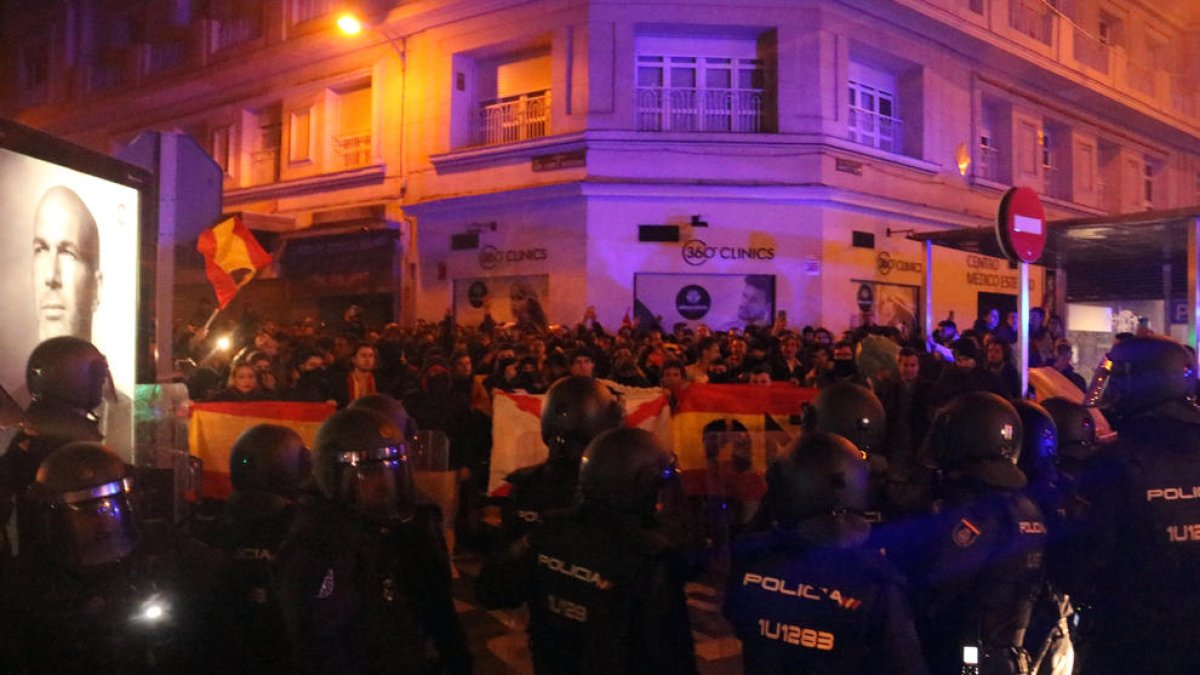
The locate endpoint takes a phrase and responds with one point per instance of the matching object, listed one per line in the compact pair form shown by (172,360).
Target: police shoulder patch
(965,533)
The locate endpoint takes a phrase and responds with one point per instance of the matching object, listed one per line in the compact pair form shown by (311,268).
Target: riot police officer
(67,378)
(976,564)
(855,413)
(1139,543)
(1049,638)
(364,577)
(603,583)
(576,410)
(807,596)
(103,593)
(269,467)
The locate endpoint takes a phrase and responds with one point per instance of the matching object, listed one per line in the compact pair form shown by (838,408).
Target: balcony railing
(513,119)
(354,149)
(235,31)
(1030,17)
(1090,51)
(988,163)
(264,166)
(162,56)
(722,110)
(875,130)
(1141,77)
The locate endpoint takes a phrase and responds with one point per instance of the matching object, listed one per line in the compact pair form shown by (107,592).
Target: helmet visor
(97,525)
(377,482)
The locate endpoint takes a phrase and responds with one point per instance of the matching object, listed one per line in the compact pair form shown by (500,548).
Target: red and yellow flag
(215,426)
(231,257)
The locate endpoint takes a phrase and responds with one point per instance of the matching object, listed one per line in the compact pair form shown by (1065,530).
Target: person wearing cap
(976,562)
(966,375)
(363,579)
(807,595)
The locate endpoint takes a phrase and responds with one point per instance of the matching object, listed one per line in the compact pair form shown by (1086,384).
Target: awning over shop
(1134,256)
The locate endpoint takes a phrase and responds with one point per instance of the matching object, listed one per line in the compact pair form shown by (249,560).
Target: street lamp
(349,24)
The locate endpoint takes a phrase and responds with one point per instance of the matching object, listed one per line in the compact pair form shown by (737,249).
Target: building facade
(474,154)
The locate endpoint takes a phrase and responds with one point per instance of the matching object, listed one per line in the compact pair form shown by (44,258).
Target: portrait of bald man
(66,265)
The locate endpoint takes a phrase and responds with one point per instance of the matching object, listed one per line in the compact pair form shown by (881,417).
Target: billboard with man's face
(722,301)
(70,260)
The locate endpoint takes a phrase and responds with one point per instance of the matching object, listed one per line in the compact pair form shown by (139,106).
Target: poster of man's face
(722,301)
(69,263)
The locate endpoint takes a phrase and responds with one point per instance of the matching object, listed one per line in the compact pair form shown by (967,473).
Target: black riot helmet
(626,470)
(1141,373)
(83,489)
(848,410)
(69,371)
(1076,428)
(979,434)
(820,487)
(1039,442)
(577,409)
(269,458)
(361,460)
(390,408)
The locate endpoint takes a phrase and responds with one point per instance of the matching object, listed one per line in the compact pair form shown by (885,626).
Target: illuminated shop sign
(696,252)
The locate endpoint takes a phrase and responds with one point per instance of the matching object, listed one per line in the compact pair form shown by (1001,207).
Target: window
(873,117)
(353,139)
(300,136)
(511,97)
(712,84)
(1047,154)
(699,93)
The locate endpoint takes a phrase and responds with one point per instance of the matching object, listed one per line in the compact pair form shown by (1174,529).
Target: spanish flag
(215,426)
(763,418)
(231,257)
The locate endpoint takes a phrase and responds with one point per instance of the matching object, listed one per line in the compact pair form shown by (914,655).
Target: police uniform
(1143,534)
(799,608)
(536,491)
(364,577)
(603,582)
(102,592)
(977,577)
(807,596)
(606,597)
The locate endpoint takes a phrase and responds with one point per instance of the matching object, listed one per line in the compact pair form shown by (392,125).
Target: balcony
(1141,78)
(513,119)
(354,150)
(875,130)
(234,31)
(1090,51)
(720,110)
(1030,17)
(987,164)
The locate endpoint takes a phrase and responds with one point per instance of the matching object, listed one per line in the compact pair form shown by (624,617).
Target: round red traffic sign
(1021,225)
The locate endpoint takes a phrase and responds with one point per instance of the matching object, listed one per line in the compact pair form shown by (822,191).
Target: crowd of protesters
(446,373)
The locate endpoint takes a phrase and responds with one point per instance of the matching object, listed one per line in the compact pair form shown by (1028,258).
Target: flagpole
(211,317)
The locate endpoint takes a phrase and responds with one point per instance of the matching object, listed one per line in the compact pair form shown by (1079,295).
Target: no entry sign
(1021,225)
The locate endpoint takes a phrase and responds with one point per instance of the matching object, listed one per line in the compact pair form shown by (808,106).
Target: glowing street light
(349,24)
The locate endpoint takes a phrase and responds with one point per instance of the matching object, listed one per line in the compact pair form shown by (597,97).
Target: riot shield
(726,499)
(429,455)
